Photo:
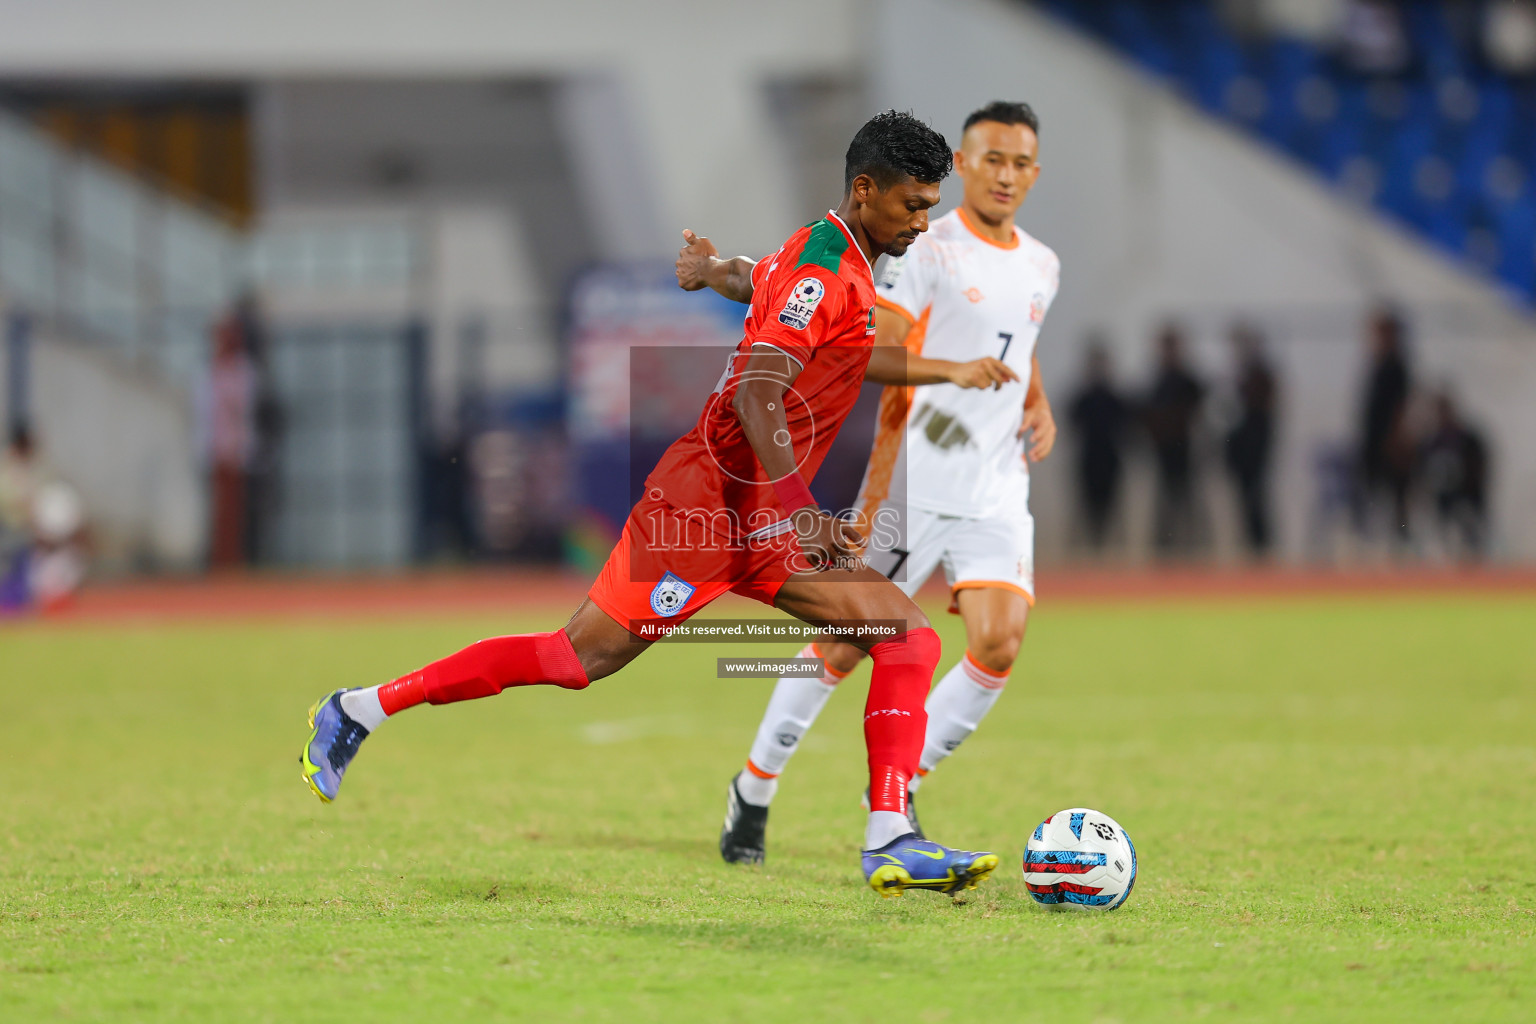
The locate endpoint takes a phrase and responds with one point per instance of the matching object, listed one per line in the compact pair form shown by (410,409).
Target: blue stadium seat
(1143,32)
(1516,233)
(1344,136)
(1286,63)
(1410,142)
(1208,58)
(1451,144)
(1475,146)
(1433,43)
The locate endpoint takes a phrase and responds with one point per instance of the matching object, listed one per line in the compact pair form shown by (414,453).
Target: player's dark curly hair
(896,145)
(1004,112)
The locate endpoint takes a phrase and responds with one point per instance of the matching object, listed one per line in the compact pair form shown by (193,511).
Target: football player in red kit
(728,508)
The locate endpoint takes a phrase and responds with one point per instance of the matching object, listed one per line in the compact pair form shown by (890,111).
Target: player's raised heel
(333,741)
(913,863)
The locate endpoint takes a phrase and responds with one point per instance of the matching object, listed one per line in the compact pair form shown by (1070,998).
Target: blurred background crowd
(363,292)
(1414,477)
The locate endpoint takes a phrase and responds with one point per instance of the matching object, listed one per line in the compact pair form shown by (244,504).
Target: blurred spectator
(261,478)
(18,490)
(445,509)
(231,436)
(1170,413)
(1509,36)
(1336,490)
(1385,462)
(497,460)
(1100,416)
(1453,464)
(42,530)
(1251,440)
(1374,39)
(59,545)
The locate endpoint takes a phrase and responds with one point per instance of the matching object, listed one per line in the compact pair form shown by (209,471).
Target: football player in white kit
(948,479)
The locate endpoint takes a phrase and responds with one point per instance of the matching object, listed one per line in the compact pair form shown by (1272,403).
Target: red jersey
(813,300)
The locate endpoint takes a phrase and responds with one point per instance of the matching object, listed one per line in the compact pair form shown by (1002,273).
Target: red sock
(486,668)
(894,719)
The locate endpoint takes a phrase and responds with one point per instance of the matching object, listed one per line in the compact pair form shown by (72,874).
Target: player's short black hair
(894,145)
(1004,112)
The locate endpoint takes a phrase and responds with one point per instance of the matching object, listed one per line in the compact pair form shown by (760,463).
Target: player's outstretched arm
(1038,418)
(759,405)
(891,363)
(699,266)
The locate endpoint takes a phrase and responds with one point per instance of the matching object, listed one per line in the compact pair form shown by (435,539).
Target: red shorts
(665,568)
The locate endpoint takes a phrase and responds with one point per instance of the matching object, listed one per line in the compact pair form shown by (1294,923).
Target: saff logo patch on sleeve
(669,596)
(797,312)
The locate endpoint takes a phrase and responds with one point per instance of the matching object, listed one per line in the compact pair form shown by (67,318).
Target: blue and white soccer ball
(1079,859)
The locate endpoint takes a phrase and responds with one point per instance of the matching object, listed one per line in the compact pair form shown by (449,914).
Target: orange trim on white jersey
(954,591)
(890,430)
(980,674)
(895,307)
(965,219)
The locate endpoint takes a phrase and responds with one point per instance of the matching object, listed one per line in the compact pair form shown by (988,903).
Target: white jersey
(952,450)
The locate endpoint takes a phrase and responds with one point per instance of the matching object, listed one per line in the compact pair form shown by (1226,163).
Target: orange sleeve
(900,310)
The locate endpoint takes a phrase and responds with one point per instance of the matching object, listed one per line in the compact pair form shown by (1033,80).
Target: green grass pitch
(1332,800)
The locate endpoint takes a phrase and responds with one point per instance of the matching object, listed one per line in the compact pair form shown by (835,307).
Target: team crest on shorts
(797,312)
(670,595)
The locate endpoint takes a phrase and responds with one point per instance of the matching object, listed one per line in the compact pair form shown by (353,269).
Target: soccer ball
(1079,859)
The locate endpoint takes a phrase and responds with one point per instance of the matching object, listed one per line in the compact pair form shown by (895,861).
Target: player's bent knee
(997,651)
(909,618)
(919,646)
(841,658)
(914,615)
(904,622)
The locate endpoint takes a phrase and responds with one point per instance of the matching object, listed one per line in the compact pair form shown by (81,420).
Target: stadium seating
(1444,147)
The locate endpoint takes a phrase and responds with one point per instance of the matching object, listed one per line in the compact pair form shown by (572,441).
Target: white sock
(956,707)
(755,789)
(792,709)
(883,827)
(363,707)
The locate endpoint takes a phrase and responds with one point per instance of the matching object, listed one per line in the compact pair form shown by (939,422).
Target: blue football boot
(912,863)
(331,746)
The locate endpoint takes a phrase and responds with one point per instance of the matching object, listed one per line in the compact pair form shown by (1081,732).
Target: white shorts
(908,544)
